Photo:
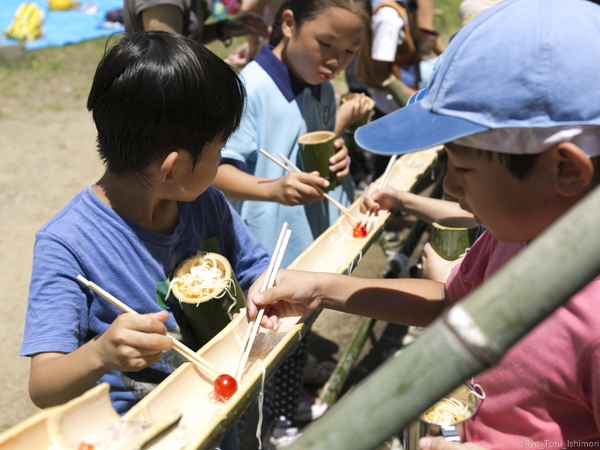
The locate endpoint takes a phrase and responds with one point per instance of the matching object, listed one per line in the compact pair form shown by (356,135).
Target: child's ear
(287,23)
(166,168)
(573,168)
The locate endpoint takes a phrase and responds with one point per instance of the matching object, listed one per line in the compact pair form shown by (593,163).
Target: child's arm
(290,189)
(169,18)
(130,344)
(349,112)
(248,50)
(425,208)
(407,301)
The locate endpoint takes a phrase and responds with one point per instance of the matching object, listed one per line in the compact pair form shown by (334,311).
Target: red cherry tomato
(363,231)
(225,386)
(360,231)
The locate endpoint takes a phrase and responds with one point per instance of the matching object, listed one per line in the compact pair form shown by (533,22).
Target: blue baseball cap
(520,65)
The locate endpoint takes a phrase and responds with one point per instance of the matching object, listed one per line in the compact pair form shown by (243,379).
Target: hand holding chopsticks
(367,219)
(204,366)
(292,168)
(268,281)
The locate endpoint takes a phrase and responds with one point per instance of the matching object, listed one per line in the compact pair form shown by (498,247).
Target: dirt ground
(47,149)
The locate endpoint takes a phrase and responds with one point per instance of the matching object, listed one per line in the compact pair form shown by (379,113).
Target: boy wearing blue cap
(523,140)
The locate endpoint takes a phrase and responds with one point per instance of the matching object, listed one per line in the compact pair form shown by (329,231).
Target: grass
(52,79)
(447,20)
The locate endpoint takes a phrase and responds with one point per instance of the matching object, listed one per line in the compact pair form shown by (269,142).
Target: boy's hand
(435,267)
(293,294)
(298,188)
(339,162)
(439,443)
(134,341)
(375,199)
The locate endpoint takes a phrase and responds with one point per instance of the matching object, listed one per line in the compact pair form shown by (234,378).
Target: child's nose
(450,185)
(333,62)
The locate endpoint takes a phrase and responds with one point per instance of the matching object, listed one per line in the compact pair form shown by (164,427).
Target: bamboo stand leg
(332,389)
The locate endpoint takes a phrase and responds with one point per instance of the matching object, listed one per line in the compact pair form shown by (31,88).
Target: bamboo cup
(392,85)
(452,236)
(465,395)
(315,150)
(209,314)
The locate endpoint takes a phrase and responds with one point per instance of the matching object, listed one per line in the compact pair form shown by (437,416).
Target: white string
(261,397)
(350,268)
(474,390)
(334,239)
(233,299)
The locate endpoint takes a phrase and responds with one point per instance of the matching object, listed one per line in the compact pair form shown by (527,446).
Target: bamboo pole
(392,85)
(523,293)
(332,389)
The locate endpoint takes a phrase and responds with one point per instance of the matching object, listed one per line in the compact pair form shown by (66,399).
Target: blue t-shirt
(279,110)
(132,263)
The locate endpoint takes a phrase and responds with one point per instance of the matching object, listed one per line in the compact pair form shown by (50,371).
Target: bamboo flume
(552,268)
(203,422)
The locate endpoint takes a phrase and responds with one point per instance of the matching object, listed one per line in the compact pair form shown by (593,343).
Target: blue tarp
(62,27)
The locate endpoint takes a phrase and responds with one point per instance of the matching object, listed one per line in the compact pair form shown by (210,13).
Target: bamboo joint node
(463,326)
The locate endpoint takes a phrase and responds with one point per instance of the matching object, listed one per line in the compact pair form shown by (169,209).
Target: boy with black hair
(163,106)
(523,143)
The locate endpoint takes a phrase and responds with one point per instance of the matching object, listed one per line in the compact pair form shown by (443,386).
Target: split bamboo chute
(203,422)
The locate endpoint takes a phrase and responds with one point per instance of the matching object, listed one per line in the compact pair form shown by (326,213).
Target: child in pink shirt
(513,102)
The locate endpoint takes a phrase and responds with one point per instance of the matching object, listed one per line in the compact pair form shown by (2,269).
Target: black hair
(520,165)
(308,10)
(154,93)
(277,33)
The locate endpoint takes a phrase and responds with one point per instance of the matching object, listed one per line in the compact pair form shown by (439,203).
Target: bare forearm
(429,209)
(256,6)
(239,185)
(209,33)
(405,301)
(57,378)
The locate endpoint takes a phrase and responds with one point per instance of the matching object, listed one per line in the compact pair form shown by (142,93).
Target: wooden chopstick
(272,158)
(384,179)
(262,288)
(341,207)
(268,282)
(203,365)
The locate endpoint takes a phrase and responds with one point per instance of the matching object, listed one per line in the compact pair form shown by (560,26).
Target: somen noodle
(446,412)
